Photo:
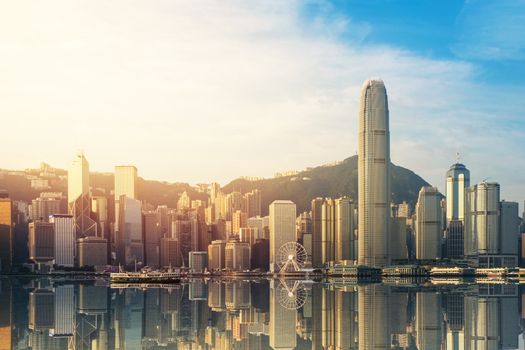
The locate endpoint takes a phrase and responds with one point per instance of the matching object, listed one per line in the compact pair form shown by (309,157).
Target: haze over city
(202,91)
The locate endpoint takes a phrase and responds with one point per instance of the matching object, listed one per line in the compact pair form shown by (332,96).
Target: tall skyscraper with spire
(373,175)
(458,179)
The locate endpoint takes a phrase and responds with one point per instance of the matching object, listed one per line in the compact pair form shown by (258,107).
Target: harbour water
(259,314)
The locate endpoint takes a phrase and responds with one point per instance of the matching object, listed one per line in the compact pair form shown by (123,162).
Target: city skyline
(455,92)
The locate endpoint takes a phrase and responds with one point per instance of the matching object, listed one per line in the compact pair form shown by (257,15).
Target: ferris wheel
(292,294)
(291,257)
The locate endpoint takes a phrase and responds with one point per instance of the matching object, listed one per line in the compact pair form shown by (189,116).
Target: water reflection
(237,314)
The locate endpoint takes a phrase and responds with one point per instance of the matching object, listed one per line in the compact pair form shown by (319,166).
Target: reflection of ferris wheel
(291,257)
(291,297)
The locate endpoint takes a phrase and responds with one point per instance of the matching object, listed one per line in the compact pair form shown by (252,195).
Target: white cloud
(197,91)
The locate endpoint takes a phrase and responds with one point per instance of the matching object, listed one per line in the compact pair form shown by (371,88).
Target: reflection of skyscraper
(373,175)
(428,320)
(6,232)
(373,306)
(482,329)
(282,321)
(64,311)
(454,316)
(90,317)
(237,295)
(346,327)
(6,316)
(41,309)
(216,296)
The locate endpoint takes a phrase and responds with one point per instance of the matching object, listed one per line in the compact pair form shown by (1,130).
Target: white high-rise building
(77,178)
(428,224)
(373,176)
(491,227)
(125,184)
(64,239)
(482,224)
(282,228)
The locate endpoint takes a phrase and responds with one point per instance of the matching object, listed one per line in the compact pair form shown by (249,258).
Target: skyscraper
(41,242)
(458,179)
(482,219)
(125,184)
(64,228)
(237,256)
(152,237)
(130,244)
(99,209)
(78,198)
(373,175)
(6,232)
(282,228)
(317,226)
(253,203)
(428,224)
(77,178)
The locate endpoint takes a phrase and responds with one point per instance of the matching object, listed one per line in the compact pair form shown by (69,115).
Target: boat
(145,276)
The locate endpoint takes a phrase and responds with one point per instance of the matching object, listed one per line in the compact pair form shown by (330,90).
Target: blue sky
(486,33)
(197,91)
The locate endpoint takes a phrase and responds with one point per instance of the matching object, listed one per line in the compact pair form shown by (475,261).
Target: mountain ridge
(339,179)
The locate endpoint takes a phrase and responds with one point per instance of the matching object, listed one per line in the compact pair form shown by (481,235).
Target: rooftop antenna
(458,157)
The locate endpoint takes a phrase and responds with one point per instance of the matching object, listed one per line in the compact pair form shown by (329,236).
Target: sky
(201,91)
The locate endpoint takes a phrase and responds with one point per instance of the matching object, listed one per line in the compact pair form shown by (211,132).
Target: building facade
(237,256)
(64,227)
(282,228)
(92,251)
(428,224)
(6,232)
